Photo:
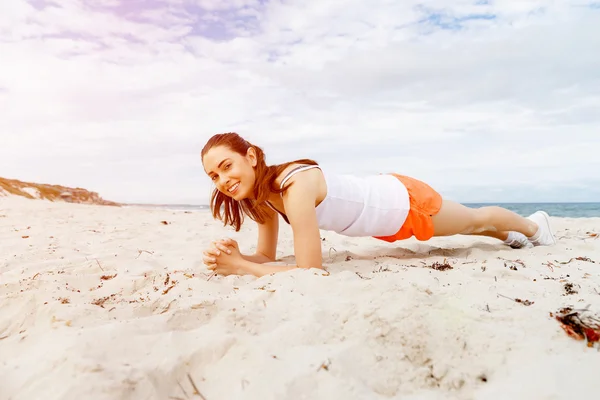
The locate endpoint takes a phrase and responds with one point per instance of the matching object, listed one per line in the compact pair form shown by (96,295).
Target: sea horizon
(555,209)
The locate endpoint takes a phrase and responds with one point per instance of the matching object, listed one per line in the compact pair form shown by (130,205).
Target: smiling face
(232,173)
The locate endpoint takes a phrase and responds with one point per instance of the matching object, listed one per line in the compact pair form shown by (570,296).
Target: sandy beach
(102,302)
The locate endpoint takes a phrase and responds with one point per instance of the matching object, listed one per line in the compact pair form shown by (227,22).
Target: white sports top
(376,205)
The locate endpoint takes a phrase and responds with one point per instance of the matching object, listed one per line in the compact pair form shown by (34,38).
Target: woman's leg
(502,235)
(457,219)
(513,239)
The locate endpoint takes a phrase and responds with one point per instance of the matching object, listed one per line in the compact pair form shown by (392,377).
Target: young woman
(388,207)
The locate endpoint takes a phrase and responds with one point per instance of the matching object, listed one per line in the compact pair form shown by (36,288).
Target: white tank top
(376,205)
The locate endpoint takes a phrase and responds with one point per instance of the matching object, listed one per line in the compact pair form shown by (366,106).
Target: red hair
(256,208)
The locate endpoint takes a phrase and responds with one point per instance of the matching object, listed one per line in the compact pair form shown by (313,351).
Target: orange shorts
(424,203)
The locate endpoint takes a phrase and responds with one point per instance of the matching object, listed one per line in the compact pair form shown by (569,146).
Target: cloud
(484,100)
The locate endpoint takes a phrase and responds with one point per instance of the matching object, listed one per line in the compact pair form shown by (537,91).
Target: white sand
(400,331)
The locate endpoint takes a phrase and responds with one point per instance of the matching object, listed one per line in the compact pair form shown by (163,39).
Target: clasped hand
(224,257)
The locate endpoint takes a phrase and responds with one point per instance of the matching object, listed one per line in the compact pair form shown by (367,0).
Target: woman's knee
(483,219)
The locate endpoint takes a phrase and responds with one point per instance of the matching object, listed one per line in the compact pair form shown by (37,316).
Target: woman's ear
(251,156)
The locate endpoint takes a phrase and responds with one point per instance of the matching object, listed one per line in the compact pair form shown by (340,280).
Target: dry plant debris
(444,266)
(586,259)
(579,324)
(517,300)
(569,289)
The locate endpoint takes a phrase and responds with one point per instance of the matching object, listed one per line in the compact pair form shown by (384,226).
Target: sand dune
(112,303)
(42,191)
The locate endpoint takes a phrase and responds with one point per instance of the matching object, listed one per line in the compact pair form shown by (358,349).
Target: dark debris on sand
(569,289)
(579,324)
(440,266)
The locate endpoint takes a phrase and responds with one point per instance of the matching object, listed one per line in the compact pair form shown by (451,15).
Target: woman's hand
(218,247)
(228,262)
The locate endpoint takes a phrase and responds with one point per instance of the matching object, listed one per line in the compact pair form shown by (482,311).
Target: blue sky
(484,100)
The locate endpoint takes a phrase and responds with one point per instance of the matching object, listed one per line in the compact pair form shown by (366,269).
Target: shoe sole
(547,219)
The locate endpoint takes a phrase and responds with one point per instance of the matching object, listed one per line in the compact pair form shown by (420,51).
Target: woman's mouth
(233,188)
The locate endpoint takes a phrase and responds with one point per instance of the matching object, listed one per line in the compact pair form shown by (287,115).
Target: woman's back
(375,205)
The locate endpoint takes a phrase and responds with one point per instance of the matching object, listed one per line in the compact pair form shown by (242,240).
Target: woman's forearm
(252,268)
(257,258)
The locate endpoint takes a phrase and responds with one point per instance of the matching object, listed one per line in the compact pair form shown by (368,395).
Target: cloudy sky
(484,100)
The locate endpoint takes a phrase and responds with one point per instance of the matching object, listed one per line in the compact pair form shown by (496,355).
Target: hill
(13,187)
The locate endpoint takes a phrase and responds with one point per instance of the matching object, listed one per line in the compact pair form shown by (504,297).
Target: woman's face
(232,173)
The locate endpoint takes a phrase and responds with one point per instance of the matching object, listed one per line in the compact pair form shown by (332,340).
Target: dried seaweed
(444,266)
(579,324)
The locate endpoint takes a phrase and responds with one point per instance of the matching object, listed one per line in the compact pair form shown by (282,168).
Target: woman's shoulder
(293,172)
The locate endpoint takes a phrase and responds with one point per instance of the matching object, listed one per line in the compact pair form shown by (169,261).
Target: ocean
(567,210)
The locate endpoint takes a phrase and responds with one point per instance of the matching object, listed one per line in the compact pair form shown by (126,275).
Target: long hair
(231,211)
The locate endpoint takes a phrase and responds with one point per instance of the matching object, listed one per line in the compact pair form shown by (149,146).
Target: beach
(102,302)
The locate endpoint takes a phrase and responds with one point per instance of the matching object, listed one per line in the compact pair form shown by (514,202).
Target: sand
(111,303)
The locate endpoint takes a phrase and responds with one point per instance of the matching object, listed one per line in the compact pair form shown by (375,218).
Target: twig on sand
(210,276)
(325,365)
(362,277)
(99,264)
(549,265)
(143,251)
(517,300)
(182,388)
(577,259)
(169,288)
(520,262)
(331,248)
(196,391)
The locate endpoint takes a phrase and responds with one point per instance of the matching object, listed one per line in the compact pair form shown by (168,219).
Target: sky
(487,101)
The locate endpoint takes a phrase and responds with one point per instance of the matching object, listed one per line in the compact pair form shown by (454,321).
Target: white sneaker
(544,236)
(517,240)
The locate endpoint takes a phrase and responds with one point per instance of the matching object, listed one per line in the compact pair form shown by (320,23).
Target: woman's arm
(268,233)
(299,202)
(266,248)
(252,268)
(257,258)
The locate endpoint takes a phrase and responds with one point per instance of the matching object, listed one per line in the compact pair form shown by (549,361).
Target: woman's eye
(227,167)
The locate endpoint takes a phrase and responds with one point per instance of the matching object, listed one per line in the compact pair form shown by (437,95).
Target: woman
(388,207)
